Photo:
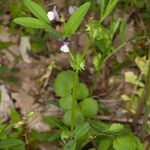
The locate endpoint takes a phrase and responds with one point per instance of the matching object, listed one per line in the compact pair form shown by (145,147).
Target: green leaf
(31,22)
(77,62)
(82,92)
(122,30)
(102,6)
(66,102)
(63,83)
(37,10)
(79,118)
(105,144)
(126,142)
(81,130)
(97,61)
(75,20)
(116,127)
(54,33)
(113,27)
(71,145)
(98,126)
(52,120)
(15,117)
(111,5)
(45,136)
(89,107)
(12,143)
(140,146)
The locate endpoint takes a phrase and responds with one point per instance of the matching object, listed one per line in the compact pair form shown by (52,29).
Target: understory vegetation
(74,75)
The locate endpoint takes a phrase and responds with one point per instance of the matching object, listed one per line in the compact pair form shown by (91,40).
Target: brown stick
(114,119)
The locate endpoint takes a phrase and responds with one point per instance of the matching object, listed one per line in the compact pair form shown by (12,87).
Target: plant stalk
(75,86)
(74,95)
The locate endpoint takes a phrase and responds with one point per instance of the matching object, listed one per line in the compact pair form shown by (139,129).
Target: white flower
(51,15)
(65,48)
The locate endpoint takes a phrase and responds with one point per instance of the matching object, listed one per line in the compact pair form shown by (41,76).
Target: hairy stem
(75,86)
(74,100)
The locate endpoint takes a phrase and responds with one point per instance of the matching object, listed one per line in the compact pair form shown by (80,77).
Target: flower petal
(51,15)
(65,48)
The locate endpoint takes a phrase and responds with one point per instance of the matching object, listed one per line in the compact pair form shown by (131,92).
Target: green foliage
(71,145)
(79,118)
(83,91)
(122,30)
(15,117)
(105,144)
(53,121)
(97,61)
(44,136)
(79,125)
(12,143)
(65,102)
(64,83)
(31,22)
(77,62)
(75,20)
(126,142)
(116,128)
(111,5)
(37,10)
(81,130)
(89,107)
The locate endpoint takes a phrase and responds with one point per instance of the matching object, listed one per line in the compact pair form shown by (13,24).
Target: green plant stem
(74,100)
(95,79)
(75,85)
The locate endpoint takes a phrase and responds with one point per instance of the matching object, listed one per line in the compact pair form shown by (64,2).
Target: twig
(114,119)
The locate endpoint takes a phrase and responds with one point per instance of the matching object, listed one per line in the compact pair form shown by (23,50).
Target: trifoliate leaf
(105,144)
(126,142)
(89,107)
(63,83)
(79,118)
(82,92)
(65,102)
